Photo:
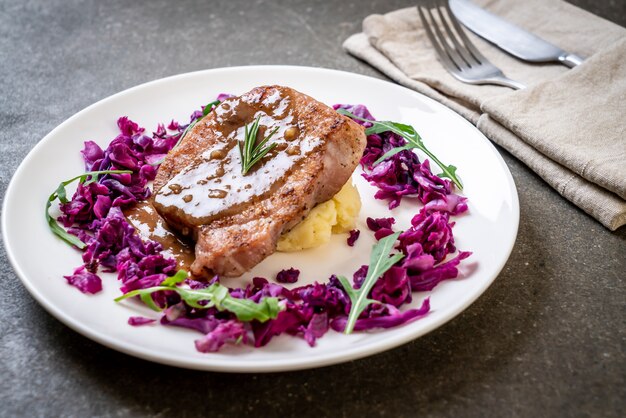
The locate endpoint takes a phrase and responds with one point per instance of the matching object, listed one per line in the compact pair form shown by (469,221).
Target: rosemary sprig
(414,141)
(251,152)
(61,194)
(215,295)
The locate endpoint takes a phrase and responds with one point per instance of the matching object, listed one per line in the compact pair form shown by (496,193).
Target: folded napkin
(569,126)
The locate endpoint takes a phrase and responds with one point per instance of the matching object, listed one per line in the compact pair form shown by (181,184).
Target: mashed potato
(334,216)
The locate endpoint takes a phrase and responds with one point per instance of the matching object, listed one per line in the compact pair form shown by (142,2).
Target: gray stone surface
(547,339)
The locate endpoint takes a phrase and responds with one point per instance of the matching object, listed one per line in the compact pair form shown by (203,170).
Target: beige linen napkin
(569,126)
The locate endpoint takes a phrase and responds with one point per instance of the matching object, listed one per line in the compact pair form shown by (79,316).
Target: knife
(513,39)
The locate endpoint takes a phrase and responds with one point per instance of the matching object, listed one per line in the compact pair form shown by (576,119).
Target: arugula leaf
(380,262)
(179,277)
(61,194)
(215,295)
(207,109)
(414,141)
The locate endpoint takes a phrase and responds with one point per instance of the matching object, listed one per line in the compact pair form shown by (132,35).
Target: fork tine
(461,58)
(431,36)
(468,44)
(464,52)
(450,51)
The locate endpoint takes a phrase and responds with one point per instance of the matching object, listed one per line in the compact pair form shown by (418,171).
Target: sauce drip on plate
(151,226)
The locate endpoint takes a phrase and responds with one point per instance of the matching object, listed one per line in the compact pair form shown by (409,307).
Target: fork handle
(505,81)
(571,60)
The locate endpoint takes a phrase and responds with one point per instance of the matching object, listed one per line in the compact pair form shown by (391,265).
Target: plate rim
(312,361)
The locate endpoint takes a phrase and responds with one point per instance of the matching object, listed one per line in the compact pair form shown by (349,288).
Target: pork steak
(236,219)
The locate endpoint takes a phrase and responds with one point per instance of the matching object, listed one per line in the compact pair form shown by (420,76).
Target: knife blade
(512,39)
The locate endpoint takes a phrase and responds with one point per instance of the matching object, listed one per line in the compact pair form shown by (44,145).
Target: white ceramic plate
(40,259)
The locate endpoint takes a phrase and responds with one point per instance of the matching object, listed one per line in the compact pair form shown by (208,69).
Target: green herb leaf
(215,295)
(380,262)
(61,194)
(147,299)
(207,109)
(179,277)
(414,141)
(392,152)
(251,152)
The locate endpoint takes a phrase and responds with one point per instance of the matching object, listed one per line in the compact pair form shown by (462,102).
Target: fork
(455,51)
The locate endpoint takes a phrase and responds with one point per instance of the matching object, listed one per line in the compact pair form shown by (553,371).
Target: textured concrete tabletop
(548,338)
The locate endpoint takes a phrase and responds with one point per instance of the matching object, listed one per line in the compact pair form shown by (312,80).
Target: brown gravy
(151,226)
(213,186)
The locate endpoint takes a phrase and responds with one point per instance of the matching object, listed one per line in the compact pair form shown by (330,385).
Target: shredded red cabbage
(288,276)
(225,331)
(353,236)
(137,321)
(94,213)
(85,281)
(402,175)
(95,216)
(381,226)
(392,317)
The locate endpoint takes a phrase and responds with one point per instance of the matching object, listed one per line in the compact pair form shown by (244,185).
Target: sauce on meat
(212,185)
(151,226)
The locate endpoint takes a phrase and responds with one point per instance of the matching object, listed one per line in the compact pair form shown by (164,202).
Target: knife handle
(571,60)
